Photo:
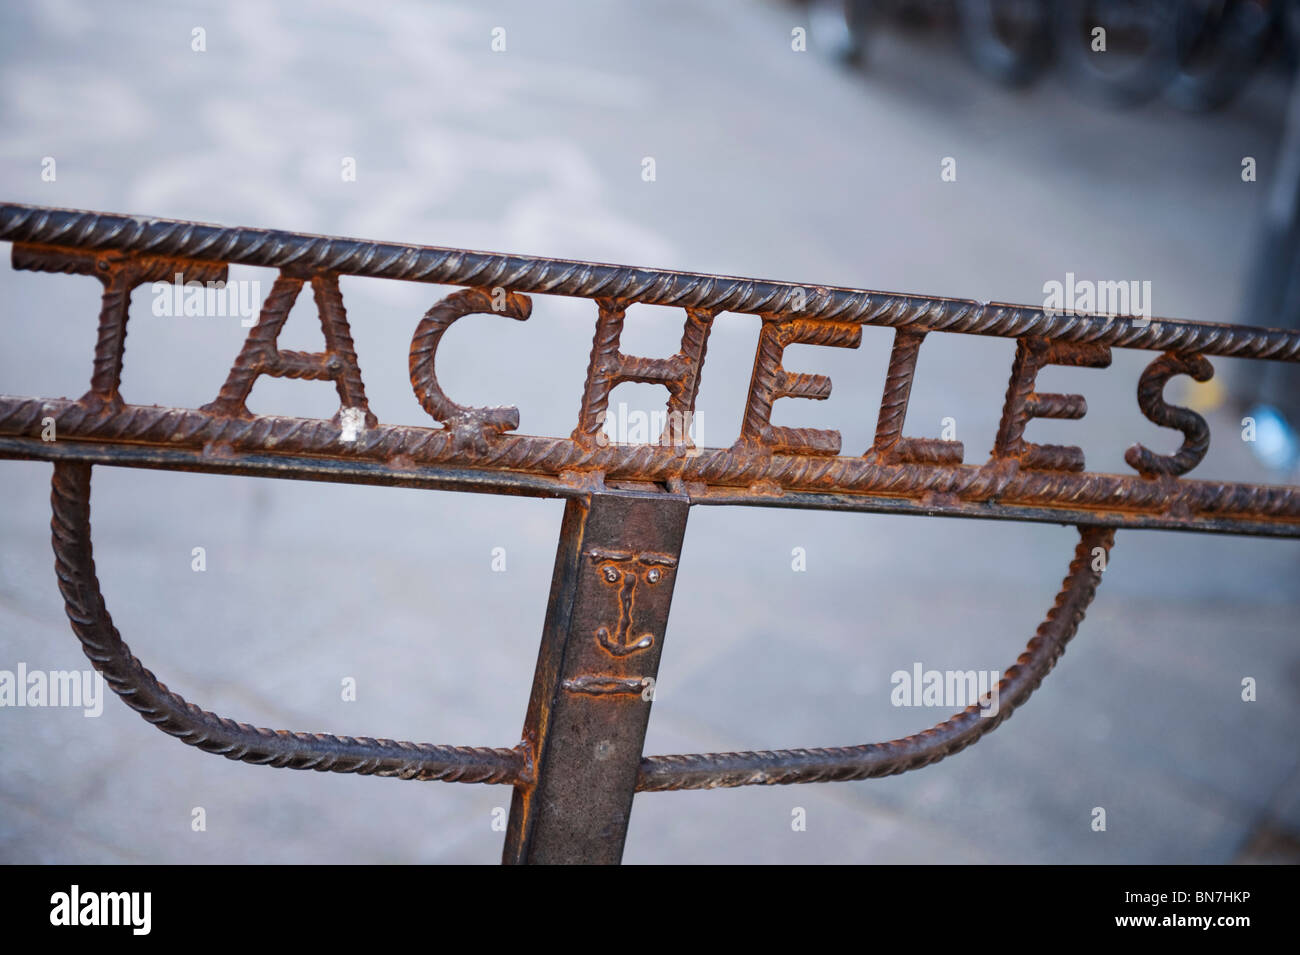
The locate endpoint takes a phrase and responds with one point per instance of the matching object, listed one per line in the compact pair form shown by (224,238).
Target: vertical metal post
(586,722)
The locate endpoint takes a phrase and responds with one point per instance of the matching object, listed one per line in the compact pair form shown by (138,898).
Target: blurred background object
(1196,54)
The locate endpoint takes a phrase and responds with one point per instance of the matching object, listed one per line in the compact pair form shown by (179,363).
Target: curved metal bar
(140,689)
(779,767)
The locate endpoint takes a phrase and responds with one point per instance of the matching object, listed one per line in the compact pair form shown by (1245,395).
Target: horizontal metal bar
(293,467)
(877,504)
(451,478)
(306,253)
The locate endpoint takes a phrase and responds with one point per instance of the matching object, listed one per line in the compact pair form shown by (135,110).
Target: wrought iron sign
(580,760)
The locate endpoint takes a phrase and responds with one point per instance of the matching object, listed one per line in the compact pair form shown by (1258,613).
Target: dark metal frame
(580,760)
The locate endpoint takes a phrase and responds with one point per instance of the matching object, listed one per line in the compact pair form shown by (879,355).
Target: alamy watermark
(951,689)
(130,909)
(680,430)
(207,299)
(67,688)
(1130,299)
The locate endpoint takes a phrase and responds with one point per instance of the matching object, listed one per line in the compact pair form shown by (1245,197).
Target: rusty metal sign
(580,759)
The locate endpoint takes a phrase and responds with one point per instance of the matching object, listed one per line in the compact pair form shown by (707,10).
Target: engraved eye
(611,575)
(654,575)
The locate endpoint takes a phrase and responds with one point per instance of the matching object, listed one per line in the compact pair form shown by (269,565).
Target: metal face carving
(580,760)
(624,572)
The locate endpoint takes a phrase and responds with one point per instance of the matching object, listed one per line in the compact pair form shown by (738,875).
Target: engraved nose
(626,600)
(623,641)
